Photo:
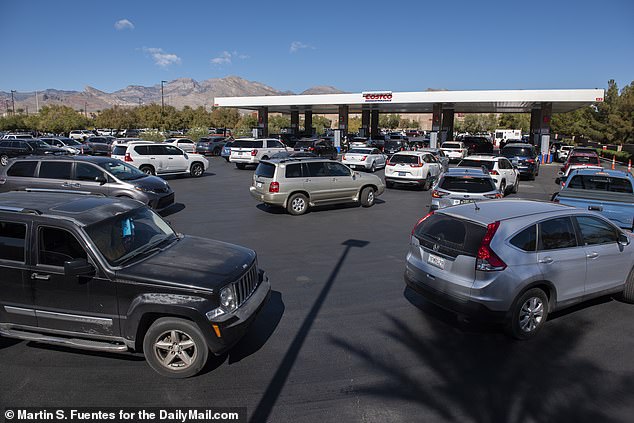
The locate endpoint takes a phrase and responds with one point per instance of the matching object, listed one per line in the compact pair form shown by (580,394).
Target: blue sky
(352,45)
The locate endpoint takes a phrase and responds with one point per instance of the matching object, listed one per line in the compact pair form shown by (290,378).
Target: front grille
(247,283)
(161,190)
(165,201)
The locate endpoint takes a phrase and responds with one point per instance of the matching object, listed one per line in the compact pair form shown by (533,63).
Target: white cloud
(226,58)
(122,24)
(298,45)
(161,58)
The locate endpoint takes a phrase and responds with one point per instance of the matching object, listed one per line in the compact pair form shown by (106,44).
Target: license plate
(258,184)
(436,261)
(466,201)
(239,154)
(402,173)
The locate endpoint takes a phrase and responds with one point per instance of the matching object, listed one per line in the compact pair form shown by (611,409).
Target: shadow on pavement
(173,209)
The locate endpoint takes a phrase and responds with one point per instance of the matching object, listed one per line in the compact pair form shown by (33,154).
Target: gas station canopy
(490,101)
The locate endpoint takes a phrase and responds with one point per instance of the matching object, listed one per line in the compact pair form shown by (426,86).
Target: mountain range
(178,93)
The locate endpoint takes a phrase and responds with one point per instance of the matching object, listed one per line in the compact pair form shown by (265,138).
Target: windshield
(125,236)
(451,145)
(38,144)
(392,143)
(476,163)
(121,170)
(472,184)
(517,151)
(70,142)
(584,160)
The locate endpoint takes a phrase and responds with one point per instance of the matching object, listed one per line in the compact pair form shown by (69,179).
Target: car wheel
(175,348)
(503,188)
(528,315)
(196,170)
(241,166)
(628,289)
(227,159)
(367,197)
(4,160)
(427,183)
(297,204)
(148,170)
(373,167)
(216,152)
(516,186)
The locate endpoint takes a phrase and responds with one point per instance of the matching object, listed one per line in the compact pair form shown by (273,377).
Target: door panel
(318,183)
(176,161)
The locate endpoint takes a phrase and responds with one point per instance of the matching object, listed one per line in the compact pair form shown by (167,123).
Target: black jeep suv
(108,274)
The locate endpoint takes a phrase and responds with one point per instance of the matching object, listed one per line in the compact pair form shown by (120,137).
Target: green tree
(12,123)
(478,122)
(58,119)
(389,121)
(515,121)
(223,117)
(354,124)
(245,125)
(277,122)
(320,123)
(117,118)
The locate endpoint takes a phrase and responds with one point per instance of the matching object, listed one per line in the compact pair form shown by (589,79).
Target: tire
(241,166)
(528,315)
(147,169)
(196,170)
(373,167)
(216,152)
(516,187)
(628,289)
(297,204)
(227,159)
(427,184)
(503,188)
(4,160)
(175,348)
(389,184)
(367,197)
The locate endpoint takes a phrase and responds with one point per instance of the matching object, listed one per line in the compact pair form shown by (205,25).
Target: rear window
(477,163)
(451,145)
(360,151)
(474,184)
(23,169)
(601,183)
(404,158)
(449,235)
(304,144)
(517,151)
(119,150)
(584,159)
(12,241)
(265,170)
(247,144)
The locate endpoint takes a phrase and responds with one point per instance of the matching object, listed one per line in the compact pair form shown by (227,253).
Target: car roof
(412,153)
(80,208)
(472,171)
(77,158)
(585,153)
(602,172)
(504,209)
(518,144)
(484,157)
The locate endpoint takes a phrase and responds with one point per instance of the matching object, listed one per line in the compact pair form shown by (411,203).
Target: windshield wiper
(152,248)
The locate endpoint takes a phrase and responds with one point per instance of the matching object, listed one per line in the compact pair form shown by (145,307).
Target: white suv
(80,134)
(505,176)
(455,150)
(245,151)
(416,168)
(184,144)
(160,159)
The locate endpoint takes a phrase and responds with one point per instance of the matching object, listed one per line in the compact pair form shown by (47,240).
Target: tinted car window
(156,150)
(55,170)
(557,233)
(87,172)
(23,169)
(336,169)
(584,160)
(596,231)
(12,236)
(450,236)
(316,169)
(526,240)
(600,183)
(172,151)
(473,184)
(404,158)
(247,144)
(294,170)
(303,144)
(476,163)
(57,246)
(265,170)
(451,145)
(139,149)
(518,151)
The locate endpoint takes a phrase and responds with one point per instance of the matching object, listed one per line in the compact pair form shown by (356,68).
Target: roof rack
(19,210)
(64,191)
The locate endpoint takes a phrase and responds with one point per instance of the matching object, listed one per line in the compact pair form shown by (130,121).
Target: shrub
(621,156)
(154,135)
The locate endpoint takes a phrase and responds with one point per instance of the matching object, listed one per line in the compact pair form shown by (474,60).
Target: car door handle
(40,277)
(592,255)
(170,158)
(595,208)
(66,185)
(546,260)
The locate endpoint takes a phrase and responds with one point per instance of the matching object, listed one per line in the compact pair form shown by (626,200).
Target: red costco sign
(377,96)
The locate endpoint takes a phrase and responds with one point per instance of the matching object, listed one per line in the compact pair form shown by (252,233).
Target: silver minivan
(97,175)
(517,260)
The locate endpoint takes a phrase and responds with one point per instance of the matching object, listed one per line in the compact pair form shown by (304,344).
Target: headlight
(228,298)
(142,189)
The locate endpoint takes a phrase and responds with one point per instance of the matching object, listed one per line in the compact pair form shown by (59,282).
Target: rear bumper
(405,181)
(245,159)
(272,198)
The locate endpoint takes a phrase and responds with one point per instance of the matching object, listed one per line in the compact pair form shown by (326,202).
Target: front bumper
(233,326)
(160,201)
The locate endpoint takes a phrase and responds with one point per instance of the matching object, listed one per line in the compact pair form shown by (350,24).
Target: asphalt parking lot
(342,340)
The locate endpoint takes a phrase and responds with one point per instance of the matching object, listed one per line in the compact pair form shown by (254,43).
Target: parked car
(504,174)
(298,184)
(358,142)
(319,147)
(413,168)
(440,156)
(19,136)
(524,156)
(80,134)
(455,150)
(96,175)
(608,192)
(581,158)
(70,145)
(97,146)
(564,151)
(463,185)
(185,144)
(21,148)
(249,151)
(111,275)
(395,145)
(478,145)
(292,154)
(226,150)
(211,146)
(288,140)
(160,159)
(364,158)
(516,261)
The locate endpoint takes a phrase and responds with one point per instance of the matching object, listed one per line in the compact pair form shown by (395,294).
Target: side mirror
(78,267)
(101,179)
(624,240)
(185,155)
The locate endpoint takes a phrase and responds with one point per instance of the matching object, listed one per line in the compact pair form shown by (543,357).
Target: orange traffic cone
(613,162)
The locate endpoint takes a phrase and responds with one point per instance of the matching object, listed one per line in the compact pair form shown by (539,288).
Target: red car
(582,158)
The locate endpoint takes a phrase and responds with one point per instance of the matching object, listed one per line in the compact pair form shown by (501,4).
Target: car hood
(192,262)
(153,183)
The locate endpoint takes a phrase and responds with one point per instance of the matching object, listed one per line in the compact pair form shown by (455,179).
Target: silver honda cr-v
(517,260)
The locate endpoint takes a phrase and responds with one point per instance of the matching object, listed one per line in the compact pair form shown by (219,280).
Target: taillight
(487,260)
(422,219)
(363,158)
(530,161)
(438,194)
(493,196)
(311,148)
(127,158)
(493,172)
(254,152)
(274,187)
(419,164)
(388,163)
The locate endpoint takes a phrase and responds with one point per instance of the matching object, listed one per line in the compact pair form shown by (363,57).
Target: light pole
(13,101)
(162,99)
